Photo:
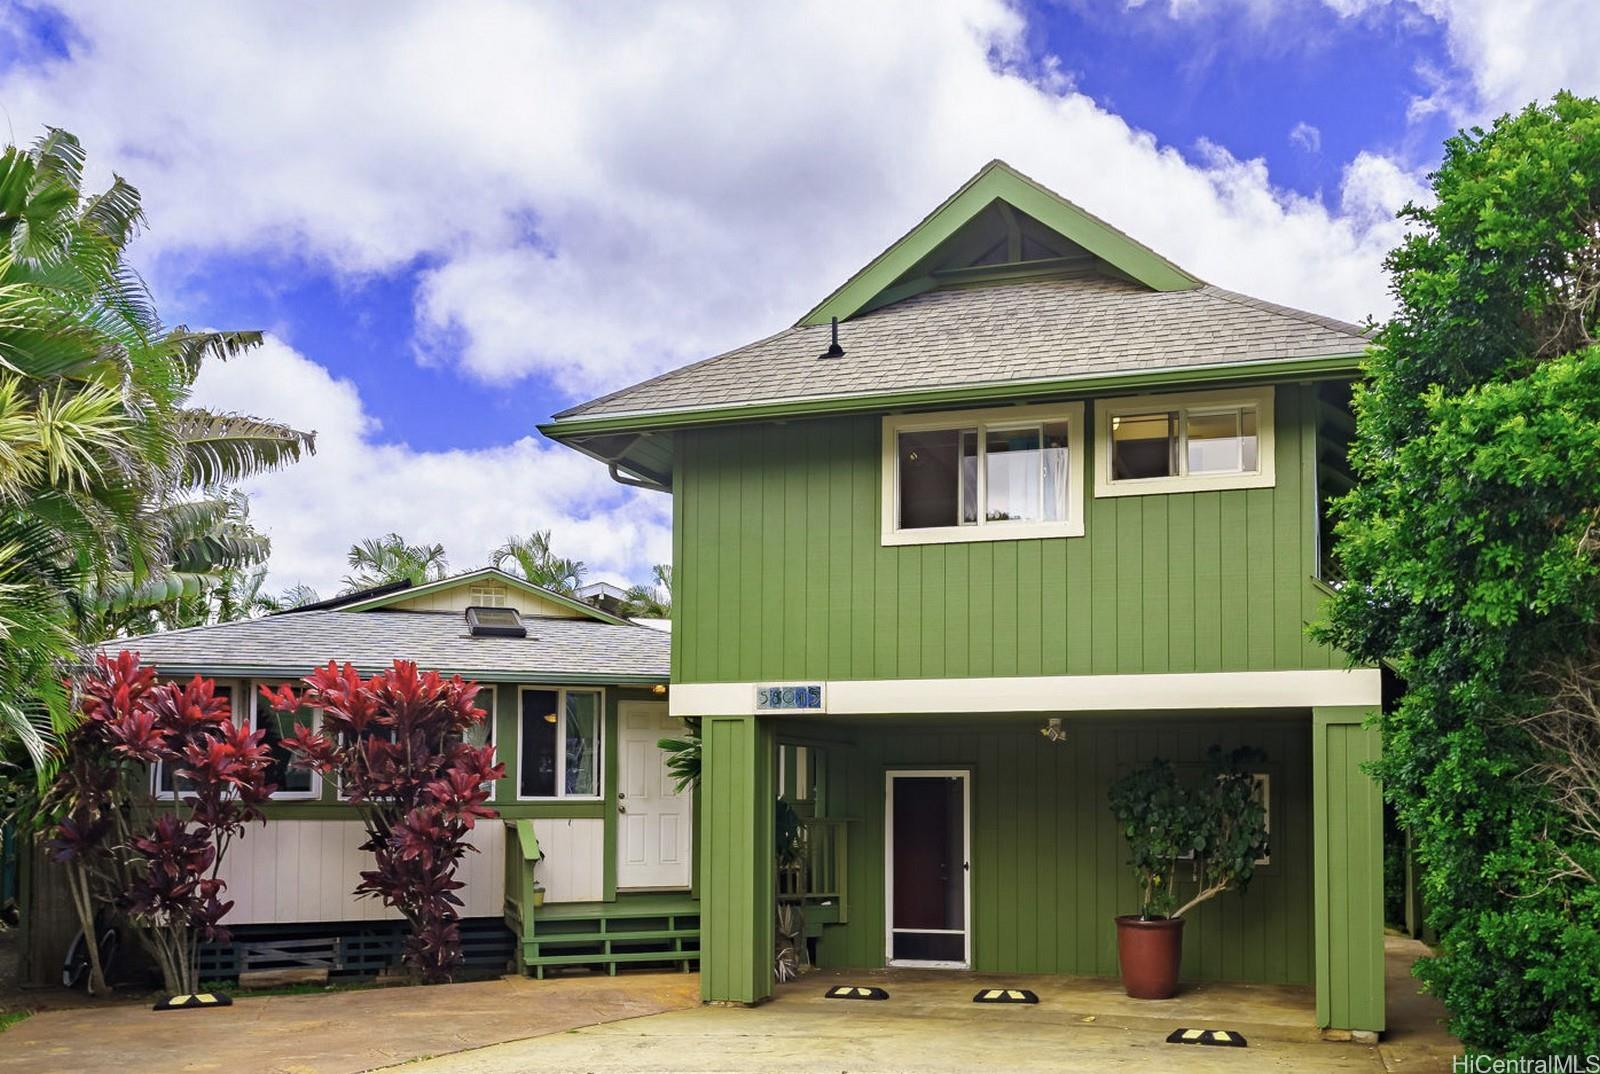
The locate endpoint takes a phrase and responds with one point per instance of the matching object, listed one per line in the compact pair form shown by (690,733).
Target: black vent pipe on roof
(834,350)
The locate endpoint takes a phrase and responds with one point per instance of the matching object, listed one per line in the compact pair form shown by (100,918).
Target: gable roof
(573,651)
(934,320)
(1035,332)
(387,596)
(997,181)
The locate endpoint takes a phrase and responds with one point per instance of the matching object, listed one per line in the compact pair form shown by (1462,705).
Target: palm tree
(532,558)
(651,600)
(100,458)
(382,560)
(296,596)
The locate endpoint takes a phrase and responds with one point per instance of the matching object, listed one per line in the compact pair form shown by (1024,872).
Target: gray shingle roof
(1044,328)
(295,644)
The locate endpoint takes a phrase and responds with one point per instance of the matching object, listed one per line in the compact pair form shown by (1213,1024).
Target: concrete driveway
(931,1025)
(884,1038)
(329,1033)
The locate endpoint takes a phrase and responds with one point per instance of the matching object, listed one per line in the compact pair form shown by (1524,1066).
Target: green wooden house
(1019,506)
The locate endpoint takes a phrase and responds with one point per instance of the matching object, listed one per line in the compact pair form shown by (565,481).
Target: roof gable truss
(953,242)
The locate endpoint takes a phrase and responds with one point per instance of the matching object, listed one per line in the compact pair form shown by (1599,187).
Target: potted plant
(1208,836)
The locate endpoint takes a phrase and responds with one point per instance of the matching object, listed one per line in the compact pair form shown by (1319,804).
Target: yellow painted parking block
(192,1001)
(1222,1038)
(1005,995)
(856,992)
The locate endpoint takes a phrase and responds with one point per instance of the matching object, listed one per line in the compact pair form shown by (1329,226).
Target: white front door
(654,830)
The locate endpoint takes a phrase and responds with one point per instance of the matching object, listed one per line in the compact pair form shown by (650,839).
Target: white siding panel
(307,870)
(573,869)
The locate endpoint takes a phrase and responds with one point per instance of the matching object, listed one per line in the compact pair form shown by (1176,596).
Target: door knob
(622,809)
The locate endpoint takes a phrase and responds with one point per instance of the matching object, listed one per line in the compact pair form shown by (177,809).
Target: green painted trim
(999,181)
(527,840)
(498,575)
(608,791)
(337,810)
(1322,366)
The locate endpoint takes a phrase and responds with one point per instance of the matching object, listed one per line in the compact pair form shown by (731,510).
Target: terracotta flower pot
(1150,952)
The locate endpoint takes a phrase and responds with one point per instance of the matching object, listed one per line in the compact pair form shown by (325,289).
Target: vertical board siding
(294,871)
(1348,824)
(736,876)
(780,573)
(1049,869)
(573,869)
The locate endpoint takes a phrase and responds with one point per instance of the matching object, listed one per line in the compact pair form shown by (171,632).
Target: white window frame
(488,595)
(234,686)
(1259,399)
(998,418)
(281,795)
(561,794)
(1261,784)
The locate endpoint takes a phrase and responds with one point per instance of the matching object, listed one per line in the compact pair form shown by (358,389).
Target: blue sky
(455,221)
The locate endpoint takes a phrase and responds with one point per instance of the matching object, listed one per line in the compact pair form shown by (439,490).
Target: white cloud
(1515,53)
(1306,137)
(602,192)
(360,484)
(597,192)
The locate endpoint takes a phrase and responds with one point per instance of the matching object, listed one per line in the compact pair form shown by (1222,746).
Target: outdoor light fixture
(659,688)
(1053,731)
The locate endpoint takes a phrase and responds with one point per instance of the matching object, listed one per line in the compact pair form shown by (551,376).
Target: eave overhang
(578,430)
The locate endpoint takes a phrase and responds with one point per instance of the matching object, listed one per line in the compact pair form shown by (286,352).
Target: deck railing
(822,873)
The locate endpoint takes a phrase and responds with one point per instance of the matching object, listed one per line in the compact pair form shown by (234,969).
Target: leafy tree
(533,559)
(100,454)
(1469,549)
(381,560)
(652,601)
(397,745)
(216,575)
(1214,831)
(158,867)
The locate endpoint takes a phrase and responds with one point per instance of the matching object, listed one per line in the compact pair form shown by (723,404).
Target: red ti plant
(155,861)
(397,745)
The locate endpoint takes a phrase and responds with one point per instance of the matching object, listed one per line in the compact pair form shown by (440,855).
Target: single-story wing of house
(594,834)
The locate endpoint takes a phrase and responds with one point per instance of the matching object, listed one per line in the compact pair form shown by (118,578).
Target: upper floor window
(1194,442)
(983,475)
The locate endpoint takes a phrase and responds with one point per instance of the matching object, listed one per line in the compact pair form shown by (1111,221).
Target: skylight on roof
(495,623)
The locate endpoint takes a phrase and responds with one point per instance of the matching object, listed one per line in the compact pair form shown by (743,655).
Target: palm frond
(219,448)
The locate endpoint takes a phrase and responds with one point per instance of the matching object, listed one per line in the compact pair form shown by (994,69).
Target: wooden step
(615,956)
(614,937)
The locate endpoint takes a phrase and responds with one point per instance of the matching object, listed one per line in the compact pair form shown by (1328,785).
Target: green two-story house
(1019,506)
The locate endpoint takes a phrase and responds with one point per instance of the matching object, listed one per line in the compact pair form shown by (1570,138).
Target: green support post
(736,867)
(1347,818)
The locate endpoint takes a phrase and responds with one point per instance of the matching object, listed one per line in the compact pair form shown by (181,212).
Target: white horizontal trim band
(1188,691)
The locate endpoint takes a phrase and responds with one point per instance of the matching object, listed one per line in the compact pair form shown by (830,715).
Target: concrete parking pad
(930,1024)
(330,1033)
(845,1037)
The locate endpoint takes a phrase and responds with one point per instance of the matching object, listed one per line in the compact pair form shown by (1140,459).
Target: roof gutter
(1320,366)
